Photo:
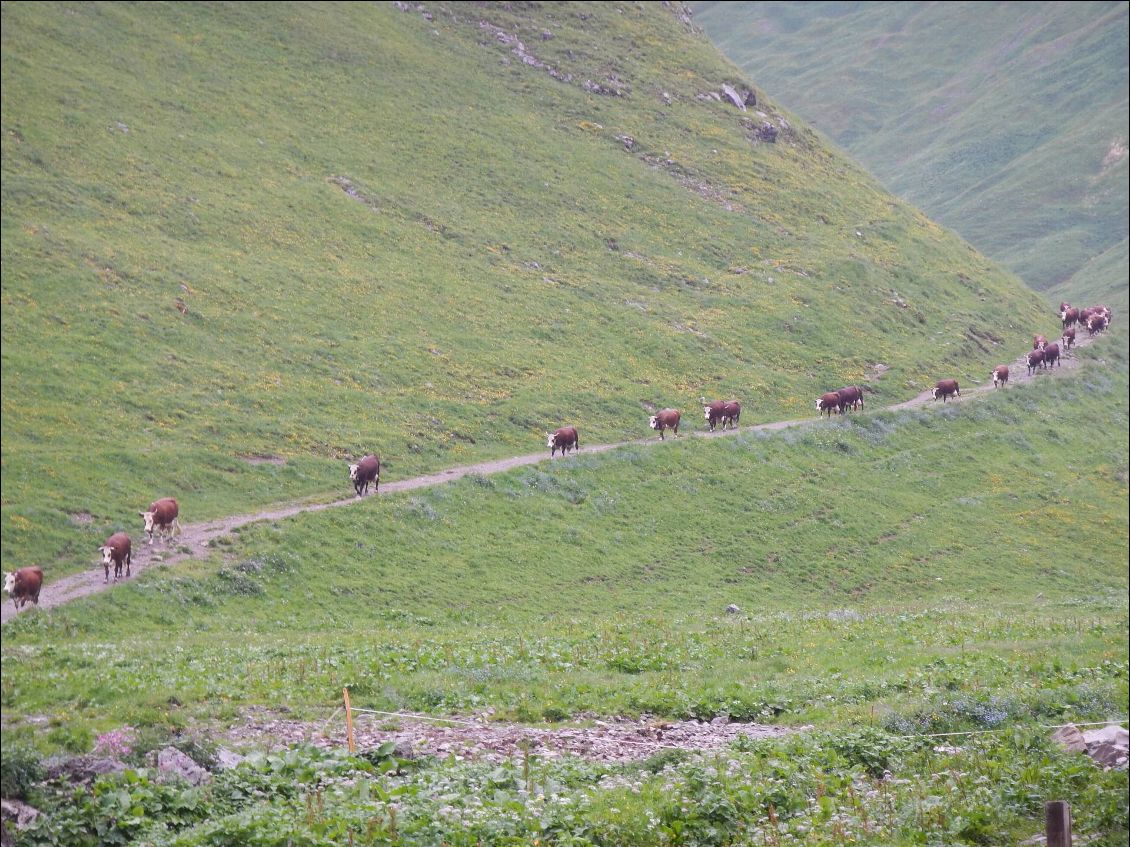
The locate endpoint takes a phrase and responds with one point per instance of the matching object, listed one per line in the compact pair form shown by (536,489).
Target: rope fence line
(572,734)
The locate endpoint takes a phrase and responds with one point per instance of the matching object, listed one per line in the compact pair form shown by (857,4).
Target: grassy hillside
(898,573)
(300,233)
(1005,122)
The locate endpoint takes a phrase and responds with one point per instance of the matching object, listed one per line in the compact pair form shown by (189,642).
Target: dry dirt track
(196,537)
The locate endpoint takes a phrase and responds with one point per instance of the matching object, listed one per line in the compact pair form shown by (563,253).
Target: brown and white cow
(946,388)
(162,517)
(1035,361)
(1068,339)
(1000,376)
(1069,316)
(828,401)
(566,438)
(1051,356)
(731,414)
(1039,342)
(116,551)
(666,419)
(714,412)
(366,471)
(1096,323)
(851,396)
(23,586)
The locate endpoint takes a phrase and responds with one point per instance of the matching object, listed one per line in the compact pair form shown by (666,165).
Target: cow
(1035,360)
(1051,356)
(714,412)
(829,400)
(161,517)
(850,396)
(1069,316)
(366,471)
(23,586)
(1039,342)
(116,552)
(1096,323)
(1000,376)
(566,438)
(1068,339)
(666,419)
(731,414)
(945,389)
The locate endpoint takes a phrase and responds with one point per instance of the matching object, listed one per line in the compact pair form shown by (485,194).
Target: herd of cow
(161,518)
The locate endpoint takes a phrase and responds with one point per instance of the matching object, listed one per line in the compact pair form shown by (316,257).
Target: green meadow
(244,244)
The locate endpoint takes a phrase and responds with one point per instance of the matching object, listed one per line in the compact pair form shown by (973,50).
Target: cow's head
(353,472)
(9,581)
(107,554)
(149,518)
(549,439)
(934,393)
(653,422)
(706,412)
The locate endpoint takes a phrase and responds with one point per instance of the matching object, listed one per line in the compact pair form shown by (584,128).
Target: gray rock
(732,609)
(227,759)
(80,768)
(173,762)
(1070,738)
(21,814)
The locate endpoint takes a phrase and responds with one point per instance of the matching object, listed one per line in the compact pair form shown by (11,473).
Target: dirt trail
(195,538)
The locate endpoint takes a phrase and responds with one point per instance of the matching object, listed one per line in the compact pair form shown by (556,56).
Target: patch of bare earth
(479,739)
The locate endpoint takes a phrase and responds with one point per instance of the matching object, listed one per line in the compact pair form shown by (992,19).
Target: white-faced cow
(117,552)
(1068,339)
(828,401)
(1039,342)
(1000,376)
(666,419)
(366,471)
(851,397)
(23,586)
(1051,356)
(714,412)
(1069,316)
(162,517)
(1096,323)
(1035,361)
(945,389)
(565,438)
(731,414)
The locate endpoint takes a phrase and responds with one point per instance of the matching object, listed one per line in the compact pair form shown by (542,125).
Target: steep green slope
(303,232)
(1006,122)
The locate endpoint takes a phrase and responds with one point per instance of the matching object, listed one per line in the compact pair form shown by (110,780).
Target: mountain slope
(1006,122)
(242,245)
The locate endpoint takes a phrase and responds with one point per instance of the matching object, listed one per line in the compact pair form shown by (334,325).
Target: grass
(598,584)
(389,232)
(391,235)
(1008,125)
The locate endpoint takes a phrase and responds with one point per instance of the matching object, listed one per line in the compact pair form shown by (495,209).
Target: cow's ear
(141,514)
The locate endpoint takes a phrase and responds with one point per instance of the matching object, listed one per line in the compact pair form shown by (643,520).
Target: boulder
(173,762)
(80,768)
(1070,738)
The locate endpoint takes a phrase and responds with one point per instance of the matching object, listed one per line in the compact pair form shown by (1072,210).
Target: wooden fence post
(1057,823)
(349,724)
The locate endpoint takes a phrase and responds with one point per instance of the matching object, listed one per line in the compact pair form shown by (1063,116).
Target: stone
(173,762)
(80,768)
(1070,738)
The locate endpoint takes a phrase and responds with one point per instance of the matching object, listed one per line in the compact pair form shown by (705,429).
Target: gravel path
(195,538)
